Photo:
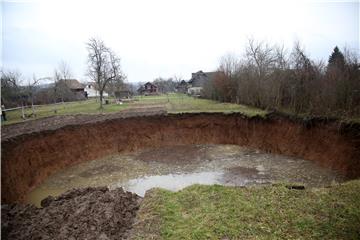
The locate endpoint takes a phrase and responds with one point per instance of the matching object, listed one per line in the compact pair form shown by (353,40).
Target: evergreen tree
(336,59)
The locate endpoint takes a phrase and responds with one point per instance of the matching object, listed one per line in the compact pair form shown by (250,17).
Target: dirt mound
(88,213)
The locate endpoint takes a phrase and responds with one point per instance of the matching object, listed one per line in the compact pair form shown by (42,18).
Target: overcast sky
(166,37)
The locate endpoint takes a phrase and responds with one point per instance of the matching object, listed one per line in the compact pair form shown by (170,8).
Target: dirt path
(55,122)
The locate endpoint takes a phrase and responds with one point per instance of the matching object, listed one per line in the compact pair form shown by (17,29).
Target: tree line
(167,85)
(269,77)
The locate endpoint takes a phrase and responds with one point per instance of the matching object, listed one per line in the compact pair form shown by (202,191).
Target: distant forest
(270,77)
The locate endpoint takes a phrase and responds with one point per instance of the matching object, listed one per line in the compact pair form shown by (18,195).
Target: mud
(175,154)
(89,213)
(176,167)
(102,169)
(28,159)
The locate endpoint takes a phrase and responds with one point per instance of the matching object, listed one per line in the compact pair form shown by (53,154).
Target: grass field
(174,103)
(179,103)
(271,212)
(86,107)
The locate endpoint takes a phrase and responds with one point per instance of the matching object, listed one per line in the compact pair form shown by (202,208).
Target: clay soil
(28,159)
(56,122)
(34,150)
(89,213)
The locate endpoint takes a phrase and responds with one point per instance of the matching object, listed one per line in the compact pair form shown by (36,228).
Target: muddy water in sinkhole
(176,167)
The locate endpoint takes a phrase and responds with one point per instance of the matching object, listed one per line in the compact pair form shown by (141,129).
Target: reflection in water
(179,166)
(171,182)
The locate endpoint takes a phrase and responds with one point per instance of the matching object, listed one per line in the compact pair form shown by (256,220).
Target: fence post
(33,110)
(22,111)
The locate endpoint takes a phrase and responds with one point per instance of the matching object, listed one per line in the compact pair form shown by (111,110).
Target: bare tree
(352,61)
(11,78)
(30,88)
(117,84)
(261,59)
(276,87)
(304,78)
(103,65)
(177,78)
(262,55)
(11,90)
(64,70)
(226,79)
(60,90)
(269,77)
(57,77)
(229,65)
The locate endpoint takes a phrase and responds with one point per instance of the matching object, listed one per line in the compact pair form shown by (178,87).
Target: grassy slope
(173,103)
(179,103)
(272,212)
(87,107)
(189,104)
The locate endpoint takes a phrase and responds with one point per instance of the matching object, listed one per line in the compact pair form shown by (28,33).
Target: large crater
(29,159)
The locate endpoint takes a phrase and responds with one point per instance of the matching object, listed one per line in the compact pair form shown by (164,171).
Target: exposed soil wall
(29,159)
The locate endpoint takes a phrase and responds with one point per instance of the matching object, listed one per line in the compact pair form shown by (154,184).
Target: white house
(91,90)
(194,91)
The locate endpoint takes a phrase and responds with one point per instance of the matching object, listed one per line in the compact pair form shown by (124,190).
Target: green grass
(272,212)
(174,103)
(190,104)
(181,103)
(80,107)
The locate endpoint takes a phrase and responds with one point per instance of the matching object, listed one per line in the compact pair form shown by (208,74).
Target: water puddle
(173,182)
(174,168)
